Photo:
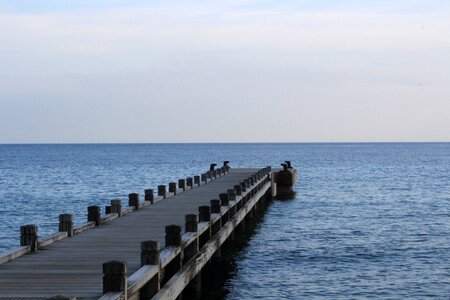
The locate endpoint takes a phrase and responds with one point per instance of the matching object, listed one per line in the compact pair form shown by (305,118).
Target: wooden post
(150,251)
(238,189)
(191,224)
(173,235)
(204,216)
(162,191)
(116,207)
(231,197)
(182,184)
(215,206)
(149,195)
(247,182)
(209,175)
(133,200)
(197,180)
(190,182)
(224,201)
(215,209)
(94,214)
(28,236)
(66,224)
(219,172)
(231,194)
(204,179)
(204,213)
(243,186)
(115,277)
(107,209)
(173,187)
(173,238)
(212,167)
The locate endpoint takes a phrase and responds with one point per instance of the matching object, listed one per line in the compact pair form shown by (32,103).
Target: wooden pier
(153,249)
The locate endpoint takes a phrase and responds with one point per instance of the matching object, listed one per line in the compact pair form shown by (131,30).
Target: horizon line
(203,143)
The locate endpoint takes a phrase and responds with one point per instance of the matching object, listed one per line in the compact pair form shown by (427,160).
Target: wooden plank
(50,239)
(15,253)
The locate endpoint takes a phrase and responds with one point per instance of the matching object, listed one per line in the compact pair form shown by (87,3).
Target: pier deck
(73,266)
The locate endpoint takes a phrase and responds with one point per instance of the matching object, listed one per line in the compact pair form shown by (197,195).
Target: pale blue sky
(224,71)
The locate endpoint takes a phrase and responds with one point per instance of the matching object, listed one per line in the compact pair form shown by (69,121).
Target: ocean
(368,220)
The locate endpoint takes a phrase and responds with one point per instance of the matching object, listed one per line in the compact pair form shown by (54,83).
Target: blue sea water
(368,220)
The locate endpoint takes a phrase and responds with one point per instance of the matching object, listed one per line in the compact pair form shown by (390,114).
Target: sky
(94,71)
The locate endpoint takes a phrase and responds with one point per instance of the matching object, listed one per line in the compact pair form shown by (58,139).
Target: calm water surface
(368,221)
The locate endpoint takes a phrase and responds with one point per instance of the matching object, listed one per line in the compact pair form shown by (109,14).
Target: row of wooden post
(115,272)
(29,232)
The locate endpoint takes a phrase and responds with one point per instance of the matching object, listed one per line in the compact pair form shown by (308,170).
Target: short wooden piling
(247,183)
(115,277)
(173,235)
(28,236)
(182,184)
(116,207)
(215,209)
(94,214)
(173,187)
(204,178)
(66,224)
(204,215)
(162,191)
(231,194)
(173,238)
(215,206)
(238,189)
(243,186)
(190,182)
(133,200)
(197,180)
(191,223)
(149,195)
(224,200)
(150,255)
